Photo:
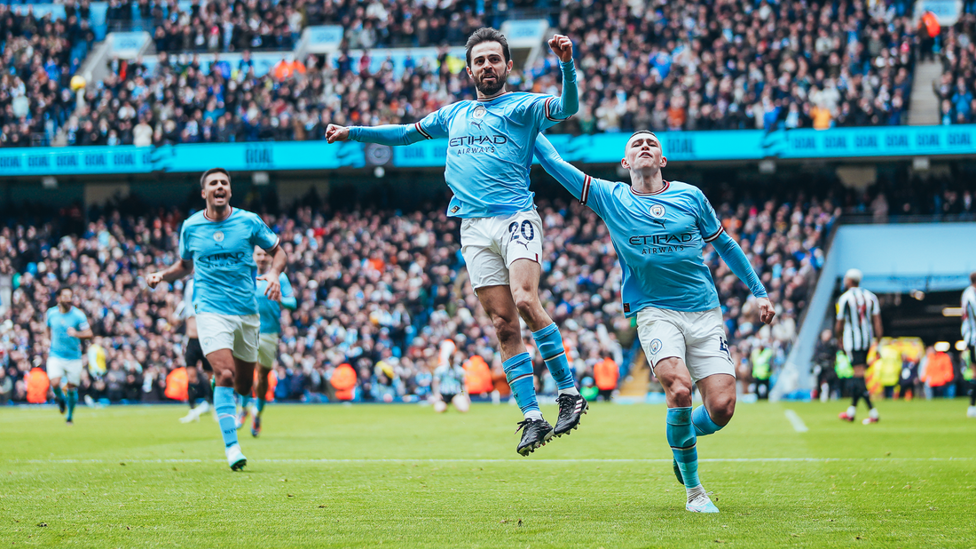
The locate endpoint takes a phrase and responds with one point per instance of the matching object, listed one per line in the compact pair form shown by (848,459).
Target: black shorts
(194,354)
(447,397)
(858,358)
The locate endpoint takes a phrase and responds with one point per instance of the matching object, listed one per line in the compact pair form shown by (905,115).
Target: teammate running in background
(448,383)
(217,244)
(66,327)
(969,336)
(489,154)
(270,312)
(659,229)
(193,356)
(858,325)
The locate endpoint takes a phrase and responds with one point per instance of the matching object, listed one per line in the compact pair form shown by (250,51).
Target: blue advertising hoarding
(717,146)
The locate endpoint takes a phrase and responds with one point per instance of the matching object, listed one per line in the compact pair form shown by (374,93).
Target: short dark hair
(972,277)
(638,132)
(211,171)
(487,34)
(63,289)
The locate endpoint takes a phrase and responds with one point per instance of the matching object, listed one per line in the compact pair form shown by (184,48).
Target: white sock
(695,492)
(228,449)
(851,411)
(533,414)
(570,391)
(873,413)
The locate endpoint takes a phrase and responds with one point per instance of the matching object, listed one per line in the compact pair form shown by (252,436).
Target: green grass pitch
(402,476)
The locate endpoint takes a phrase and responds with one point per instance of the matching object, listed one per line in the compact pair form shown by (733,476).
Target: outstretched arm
(175,271)
(391,135)
(576,182)
(432,126)
(566,174)
(736,259)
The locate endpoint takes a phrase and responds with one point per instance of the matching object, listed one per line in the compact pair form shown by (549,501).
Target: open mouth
(645,154)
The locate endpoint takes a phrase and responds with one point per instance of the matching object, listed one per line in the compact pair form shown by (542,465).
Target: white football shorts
(68,369)
(696,338)
(239,333)
(491,244)
(267,350)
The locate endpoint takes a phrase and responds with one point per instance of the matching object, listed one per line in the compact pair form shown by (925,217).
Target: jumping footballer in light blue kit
(217,245)
(659,229)
(489,155)
(66,326)
(270,312)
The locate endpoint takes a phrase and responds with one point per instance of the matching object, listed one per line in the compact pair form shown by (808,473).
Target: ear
(664,161)
(624,163)
(510,65)
(203,193)
(470,74)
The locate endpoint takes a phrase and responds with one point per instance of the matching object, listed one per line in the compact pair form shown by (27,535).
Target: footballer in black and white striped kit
(969,336)
(858,325)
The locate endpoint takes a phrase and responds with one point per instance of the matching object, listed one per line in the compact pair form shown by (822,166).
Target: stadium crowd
(664,66)
(956,88)
(37,58)
(379,290)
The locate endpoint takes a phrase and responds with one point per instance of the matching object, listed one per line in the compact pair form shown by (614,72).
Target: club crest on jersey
(656,346)
(657,211)
(479,112)
(218,236)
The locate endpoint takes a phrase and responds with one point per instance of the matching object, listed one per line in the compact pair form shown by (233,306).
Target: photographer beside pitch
(659,229)
(217,245)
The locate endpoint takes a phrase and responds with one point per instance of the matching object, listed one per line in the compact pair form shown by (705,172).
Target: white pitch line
(422,460)
(796,422)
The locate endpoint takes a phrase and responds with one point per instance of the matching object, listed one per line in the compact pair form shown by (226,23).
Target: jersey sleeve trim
(548,111)
(422,131)
(716,235)
(585,195)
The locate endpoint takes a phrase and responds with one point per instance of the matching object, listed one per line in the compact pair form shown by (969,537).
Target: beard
(491,88)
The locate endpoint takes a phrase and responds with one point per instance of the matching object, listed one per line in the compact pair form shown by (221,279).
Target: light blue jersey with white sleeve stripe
(222,252)
(64,346)
(269,309)
(489,147)
(658,237)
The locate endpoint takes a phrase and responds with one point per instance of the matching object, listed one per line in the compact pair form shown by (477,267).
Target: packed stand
(957,86)
(669,66)
(378,290)
(38,56)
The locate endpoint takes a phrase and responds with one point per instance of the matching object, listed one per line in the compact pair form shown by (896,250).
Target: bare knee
(506,329)
(225,377)
(676,382)
(721,408)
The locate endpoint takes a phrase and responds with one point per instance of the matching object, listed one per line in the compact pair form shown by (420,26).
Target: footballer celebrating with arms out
(217,245)
(489,155)
(659,229)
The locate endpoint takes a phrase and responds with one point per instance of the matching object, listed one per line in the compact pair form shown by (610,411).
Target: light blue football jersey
(269,309)
(490,145)
(64,346)
(658,237)
(223,260)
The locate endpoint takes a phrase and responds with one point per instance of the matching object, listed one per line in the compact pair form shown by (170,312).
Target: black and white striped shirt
(969,316)
(857,308)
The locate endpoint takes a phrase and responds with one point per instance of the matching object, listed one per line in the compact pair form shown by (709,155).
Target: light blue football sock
(518,372)
(226,414)
(58,393)
(703,422)
(550,345)
(71,399)
(261,403)
(681,437)
(245,402)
